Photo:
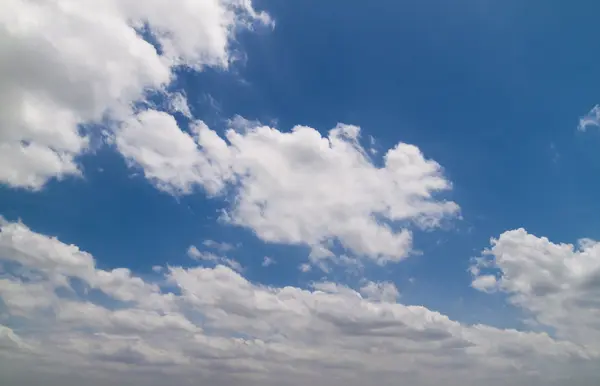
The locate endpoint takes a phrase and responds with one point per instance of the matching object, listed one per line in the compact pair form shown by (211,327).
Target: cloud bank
(200,324)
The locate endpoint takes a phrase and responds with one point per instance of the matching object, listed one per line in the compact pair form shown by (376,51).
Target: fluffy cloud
(40,255)
(70,62)
(557,284)
(169,157)
(386,292)
(297,187)
(213,325)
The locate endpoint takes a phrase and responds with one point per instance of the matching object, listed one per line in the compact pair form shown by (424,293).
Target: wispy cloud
(267,261)
(591,119)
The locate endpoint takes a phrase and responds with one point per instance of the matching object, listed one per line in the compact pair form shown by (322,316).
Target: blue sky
(492,91)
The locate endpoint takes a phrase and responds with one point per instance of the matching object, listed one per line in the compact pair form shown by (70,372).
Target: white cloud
(334,288)
(267,261)
(221,247)
(221,328)
(50,87)
(9,340)
(305,267)
(196,254)
(591,119)
(297,187)
(558,284)
(239,123)
(45,256)
(170,158)
(178,103)
(485,283)
(383,292)
(70,62)
(233,264)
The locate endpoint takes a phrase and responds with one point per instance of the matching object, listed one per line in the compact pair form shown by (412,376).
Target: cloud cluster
(69,66)
(557,284)
(296,187)
(213,325)
(70,62)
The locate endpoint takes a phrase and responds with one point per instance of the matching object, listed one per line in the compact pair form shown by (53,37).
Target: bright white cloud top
(71,62)
(296,187)
(558,284)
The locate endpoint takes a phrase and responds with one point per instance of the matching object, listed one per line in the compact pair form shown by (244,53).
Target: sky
(295,192)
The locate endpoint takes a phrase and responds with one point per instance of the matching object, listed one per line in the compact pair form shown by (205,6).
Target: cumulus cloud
(386,292)
(297,187)
(57,263)
(169,157)
(65,320)
(70,62)
(213,325)
(557,284)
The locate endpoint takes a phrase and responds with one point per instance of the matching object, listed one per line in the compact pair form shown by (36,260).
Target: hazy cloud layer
(211,324)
